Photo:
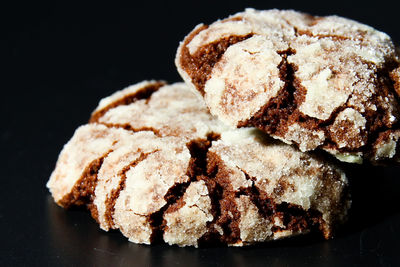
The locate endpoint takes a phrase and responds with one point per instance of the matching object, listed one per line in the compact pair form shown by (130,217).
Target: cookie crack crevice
(174,200)
(226,215)
(283,110)
(199,66)
(130,128)
(196,171)
(377,124)
(114,194)
(143,93)
(292,217)
(271,116)
(83,191)
(321,36)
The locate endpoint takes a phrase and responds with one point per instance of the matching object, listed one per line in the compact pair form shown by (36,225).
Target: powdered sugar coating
(186,225)
(253,227)
(90,142)
(316,67)
(387,146)
(107,101)
(284,173)
(140,149)
(171,111)
(146,186)
(161,181)
(348,129)
(110,174)
(237,97)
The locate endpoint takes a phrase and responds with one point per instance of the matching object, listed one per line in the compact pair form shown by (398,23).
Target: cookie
(159,167)
(316,82)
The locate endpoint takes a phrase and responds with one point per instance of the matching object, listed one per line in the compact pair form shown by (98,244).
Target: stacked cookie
(159,163)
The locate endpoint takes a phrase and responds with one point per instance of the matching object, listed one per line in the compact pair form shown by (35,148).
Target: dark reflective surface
(370,237)
(62,59)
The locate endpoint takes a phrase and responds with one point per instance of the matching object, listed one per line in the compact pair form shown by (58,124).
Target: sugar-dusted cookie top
(161,168)
(317,82)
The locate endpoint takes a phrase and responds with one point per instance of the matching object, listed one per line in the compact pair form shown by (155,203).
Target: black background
(59,60)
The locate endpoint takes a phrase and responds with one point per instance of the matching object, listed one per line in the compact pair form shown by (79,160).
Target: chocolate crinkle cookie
(156,165)
(316,82)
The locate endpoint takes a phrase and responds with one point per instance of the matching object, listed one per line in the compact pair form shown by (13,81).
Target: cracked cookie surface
(316,82)
(157,166)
